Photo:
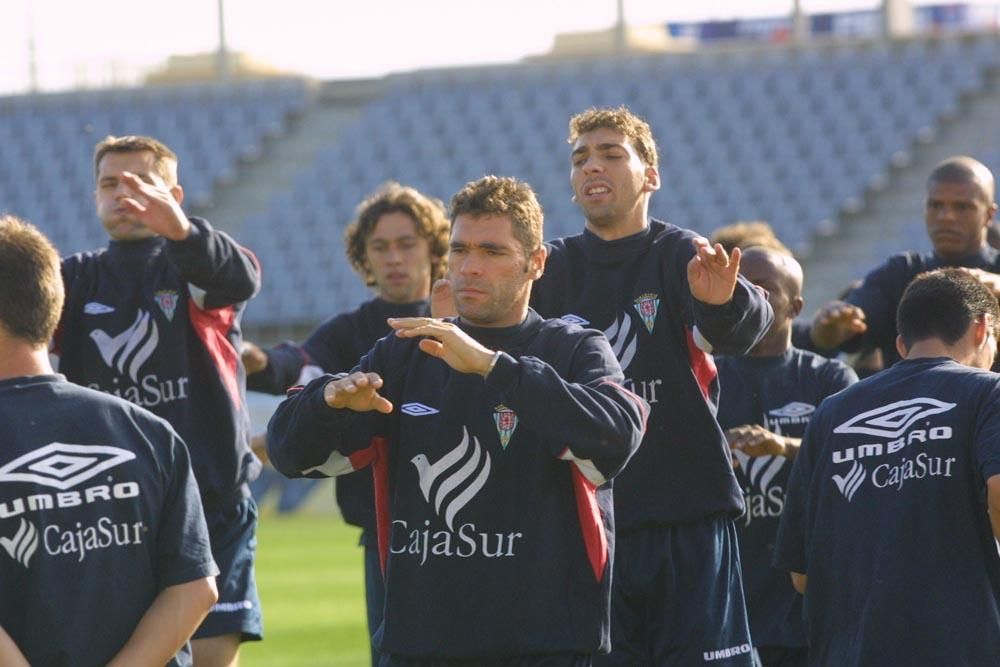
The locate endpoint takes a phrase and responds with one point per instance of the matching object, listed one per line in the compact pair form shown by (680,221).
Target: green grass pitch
(311,582)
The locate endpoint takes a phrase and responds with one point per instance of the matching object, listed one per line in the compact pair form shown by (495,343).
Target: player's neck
(933,347)
(19,358)
(634,222)
(773,344)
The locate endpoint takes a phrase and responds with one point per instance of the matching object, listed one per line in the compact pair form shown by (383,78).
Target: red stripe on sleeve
(591,524)
(380,474)
(702,364)
(212,327)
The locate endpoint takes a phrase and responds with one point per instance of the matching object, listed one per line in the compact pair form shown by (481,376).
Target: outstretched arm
(729,314)
(168,623)
(315,432)
(591,419)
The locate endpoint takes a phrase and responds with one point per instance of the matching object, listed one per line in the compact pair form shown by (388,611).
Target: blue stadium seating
(792,135)
(46,172)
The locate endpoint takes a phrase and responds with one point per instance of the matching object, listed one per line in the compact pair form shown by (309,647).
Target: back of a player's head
(164,159)
(943,304)
(506,197)
(429,218)
(963,169)
(32,296)
(746,234)
(623,120)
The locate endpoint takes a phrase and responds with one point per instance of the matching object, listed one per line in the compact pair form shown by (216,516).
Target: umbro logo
(418,410)
(893,420)
(850,483)
(794,409)
(95,308)
(23,545)
(63,466)
(574,319)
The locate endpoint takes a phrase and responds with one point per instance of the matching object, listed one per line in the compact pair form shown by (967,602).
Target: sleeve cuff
(503,377)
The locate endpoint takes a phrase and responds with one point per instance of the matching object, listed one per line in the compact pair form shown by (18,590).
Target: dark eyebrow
(487,245)
(600,147)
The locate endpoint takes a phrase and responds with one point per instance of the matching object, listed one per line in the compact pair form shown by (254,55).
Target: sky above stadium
(107,42)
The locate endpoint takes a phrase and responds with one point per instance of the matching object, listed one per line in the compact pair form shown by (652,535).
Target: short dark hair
(32,296)
(164,159)
(943,304)
(503,196)
(428,217)
(623,120)
(964,169)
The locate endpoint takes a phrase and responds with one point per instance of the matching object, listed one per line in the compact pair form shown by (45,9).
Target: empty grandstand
(803,136)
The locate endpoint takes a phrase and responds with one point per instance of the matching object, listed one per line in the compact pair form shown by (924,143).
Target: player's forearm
(736,326)
(215,263)
(10,654)
(306,437)
(168,623)
(597,421)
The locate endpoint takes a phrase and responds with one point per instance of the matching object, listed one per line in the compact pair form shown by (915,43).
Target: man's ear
(901,347)
(536,262)
(982,325)
(797,304)
(178,194)
(652,183)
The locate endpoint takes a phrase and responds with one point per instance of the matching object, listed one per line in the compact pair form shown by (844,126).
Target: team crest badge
(166,299)
(647,306)
(506,420)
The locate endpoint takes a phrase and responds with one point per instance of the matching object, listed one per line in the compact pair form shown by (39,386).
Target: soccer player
(958,211)
(765,402)
(894,500)
(398,244)
(104,552)
(492,439)
(155,319)
(665,298)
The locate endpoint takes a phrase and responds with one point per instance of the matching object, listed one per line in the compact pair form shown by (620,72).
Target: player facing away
(766,399)
(493,438)
(398,244)
(893,505)
(104,552)
(155,319)
(957,213)
(665,299)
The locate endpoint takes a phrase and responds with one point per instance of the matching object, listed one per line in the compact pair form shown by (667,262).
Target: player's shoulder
(906,262)
(568,333)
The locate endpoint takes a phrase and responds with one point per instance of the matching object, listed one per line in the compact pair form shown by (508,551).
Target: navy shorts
(552,660)
(677,598)
(233,533)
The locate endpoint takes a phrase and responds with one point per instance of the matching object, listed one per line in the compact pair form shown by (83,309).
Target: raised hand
(357,391)
(836,322)
(156,205)
(712,273)
(446,342)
